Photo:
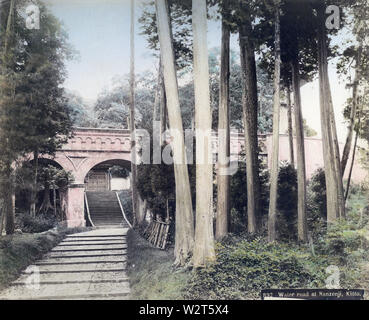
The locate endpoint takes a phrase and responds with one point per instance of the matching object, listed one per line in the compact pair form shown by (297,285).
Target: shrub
(244,267)
(40,223)
(238,198)
(317,187)
(126,200)
(344,242)
(287,202)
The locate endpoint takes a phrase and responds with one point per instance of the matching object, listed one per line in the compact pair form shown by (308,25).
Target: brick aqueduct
(89,148)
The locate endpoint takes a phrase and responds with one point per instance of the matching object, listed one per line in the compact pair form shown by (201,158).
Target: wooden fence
(157,233)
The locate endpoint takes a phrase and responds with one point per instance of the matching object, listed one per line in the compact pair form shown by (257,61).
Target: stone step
(117,218)
(94,239)
(120,234)
(87,254)
(91,240)
(85,260)
(81,267)
(118,247)
(90,243)
(79,247)
(66,290)
(108,225)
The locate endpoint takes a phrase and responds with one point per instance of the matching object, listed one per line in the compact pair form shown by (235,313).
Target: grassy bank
(20,250)
(151,271)
(245,265)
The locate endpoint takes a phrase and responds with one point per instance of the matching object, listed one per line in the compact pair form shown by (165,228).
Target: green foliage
(309,132)
(119,172)
(82,114)
(34,115)
(318,199)
(38,224)
(126,200)
(112,106)
(246,266)
(287,202)
(181,23)
(50,176)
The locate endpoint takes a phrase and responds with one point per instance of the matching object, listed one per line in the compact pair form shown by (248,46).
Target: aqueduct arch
(91,147)
(87,149)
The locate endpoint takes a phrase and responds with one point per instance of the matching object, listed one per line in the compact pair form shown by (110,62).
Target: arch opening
(110,175)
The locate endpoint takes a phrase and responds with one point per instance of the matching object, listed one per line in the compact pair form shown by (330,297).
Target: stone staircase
(105,210)
(84,266)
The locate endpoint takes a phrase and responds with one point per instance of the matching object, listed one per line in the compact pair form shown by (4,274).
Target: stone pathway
(84,266)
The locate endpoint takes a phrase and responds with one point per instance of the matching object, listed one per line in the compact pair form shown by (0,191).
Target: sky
(100,31)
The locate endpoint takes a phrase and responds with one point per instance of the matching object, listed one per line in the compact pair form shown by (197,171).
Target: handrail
(88,211)
(121,208)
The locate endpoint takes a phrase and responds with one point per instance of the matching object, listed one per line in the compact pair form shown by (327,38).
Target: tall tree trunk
(34,185)
(163,112)
(7,195)
(46,202)
(204,235)
(347,148)
(223,178)
(351,166)
(250,111)
(6,183)
(290,127)
(135,204)
(333,174)
(157,95)
(2,219)
(8,30)
(275,154)
(184,234)
(300,143)
(54,201)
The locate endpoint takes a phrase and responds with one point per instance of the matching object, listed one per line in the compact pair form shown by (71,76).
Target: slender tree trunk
(46,203)
(334,184)
(250,111)
(8,207)
(34,186)
(204,238)
(8,30)
(2,220)
(351,166)
(272,236)
(6,183)
(163,112)
(135,204)
(184,234)
(157,95)
(54,201)
(300,143)
(290,127)
(223,178)
(347,148)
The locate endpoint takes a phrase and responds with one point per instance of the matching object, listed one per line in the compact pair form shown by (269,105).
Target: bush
(318,198)
(238,198)
(244,267)
(40,223)
(287,202)
(126,200)
(344,243)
